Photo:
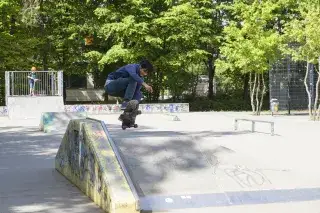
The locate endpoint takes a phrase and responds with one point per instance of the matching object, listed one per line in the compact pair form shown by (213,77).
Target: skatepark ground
(197,164)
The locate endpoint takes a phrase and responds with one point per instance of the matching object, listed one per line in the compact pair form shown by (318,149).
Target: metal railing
(48,83)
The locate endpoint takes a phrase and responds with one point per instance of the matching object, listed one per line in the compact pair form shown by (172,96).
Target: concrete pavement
(199,164)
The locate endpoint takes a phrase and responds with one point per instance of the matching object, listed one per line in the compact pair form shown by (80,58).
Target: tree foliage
(183,38)
(302,43)
(252,43)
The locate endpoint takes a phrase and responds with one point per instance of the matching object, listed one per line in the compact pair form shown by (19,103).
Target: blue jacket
(127,71)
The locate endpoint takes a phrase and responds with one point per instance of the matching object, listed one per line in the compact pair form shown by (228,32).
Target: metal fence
(49,83)
(286,80)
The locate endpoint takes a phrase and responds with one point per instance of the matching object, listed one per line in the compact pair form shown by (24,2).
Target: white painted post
(60,83)
(7,86)
(253,126)
(236,124)
(272,129)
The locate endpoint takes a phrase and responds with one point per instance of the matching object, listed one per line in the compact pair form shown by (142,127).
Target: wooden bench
(253,123)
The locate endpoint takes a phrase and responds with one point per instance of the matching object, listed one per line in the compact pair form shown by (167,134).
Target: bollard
(253,126)
(235,124)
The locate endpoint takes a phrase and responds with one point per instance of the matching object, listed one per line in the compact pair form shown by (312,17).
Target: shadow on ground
(29,181)
(154,157)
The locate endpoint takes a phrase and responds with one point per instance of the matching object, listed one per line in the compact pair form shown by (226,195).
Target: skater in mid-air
(126,82)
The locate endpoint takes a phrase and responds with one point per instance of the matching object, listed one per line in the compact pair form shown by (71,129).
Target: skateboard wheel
(135,125)
(124,128)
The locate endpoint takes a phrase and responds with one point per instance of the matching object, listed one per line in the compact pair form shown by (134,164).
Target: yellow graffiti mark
(106,153)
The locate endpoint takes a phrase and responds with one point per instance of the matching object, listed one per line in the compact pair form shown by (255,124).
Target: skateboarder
(126,82)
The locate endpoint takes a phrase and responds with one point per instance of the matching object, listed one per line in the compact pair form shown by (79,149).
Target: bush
(221,102)
(219,105)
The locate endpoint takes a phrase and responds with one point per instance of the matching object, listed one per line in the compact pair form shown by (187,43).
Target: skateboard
(128,117)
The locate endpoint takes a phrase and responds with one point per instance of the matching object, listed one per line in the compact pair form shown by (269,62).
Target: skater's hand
(149,88)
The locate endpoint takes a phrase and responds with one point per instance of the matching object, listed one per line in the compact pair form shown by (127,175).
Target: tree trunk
(317,90)
(263,92)
(194,86)
(246,86)
(157,86)
(211,73)
(316,98)
(12,24)
(252,91)
(257,90)
(257,94)
(45,47)
(307,90)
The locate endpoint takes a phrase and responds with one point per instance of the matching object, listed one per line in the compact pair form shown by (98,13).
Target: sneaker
(124,105)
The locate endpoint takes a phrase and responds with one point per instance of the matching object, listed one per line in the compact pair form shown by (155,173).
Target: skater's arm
(131,69)
(137,94)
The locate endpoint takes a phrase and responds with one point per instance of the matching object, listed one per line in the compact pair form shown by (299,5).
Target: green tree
(302,43)
(252,44)
(173,34)
(16,43)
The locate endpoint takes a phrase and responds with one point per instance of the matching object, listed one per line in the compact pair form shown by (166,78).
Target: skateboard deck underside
(128,117)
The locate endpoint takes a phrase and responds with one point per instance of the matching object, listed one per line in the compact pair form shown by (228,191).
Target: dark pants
(126,88)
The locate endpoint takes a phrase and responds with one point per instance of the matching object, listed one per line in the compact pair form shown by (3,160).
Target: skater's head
(145,68)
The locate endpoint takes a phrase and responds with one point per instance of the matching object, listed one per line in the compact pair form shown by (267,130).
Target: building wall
(85,95)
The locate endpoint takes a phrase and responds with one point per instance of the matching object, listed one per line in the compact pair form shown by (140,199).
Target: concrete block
(86,159)
(57,121)
(33,106)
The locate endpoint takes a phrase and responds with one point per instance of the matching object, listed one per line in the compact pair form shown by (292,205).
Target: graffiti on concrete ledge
(115,108)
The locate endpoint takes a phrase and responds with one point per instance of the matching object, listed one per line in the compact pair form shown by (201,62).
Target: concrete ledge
(86,158)
(55,121)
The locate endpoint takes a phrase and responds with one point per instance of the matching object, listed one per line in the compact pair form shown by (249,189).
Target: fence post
(7,86)
(52,79)
(60,83)
(12,85)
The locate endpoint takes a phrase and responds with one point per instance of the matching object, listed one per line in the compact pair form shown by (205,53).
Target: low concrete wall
(57,121)
(20,107)
(115,108)
(33,107)
(87,159)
